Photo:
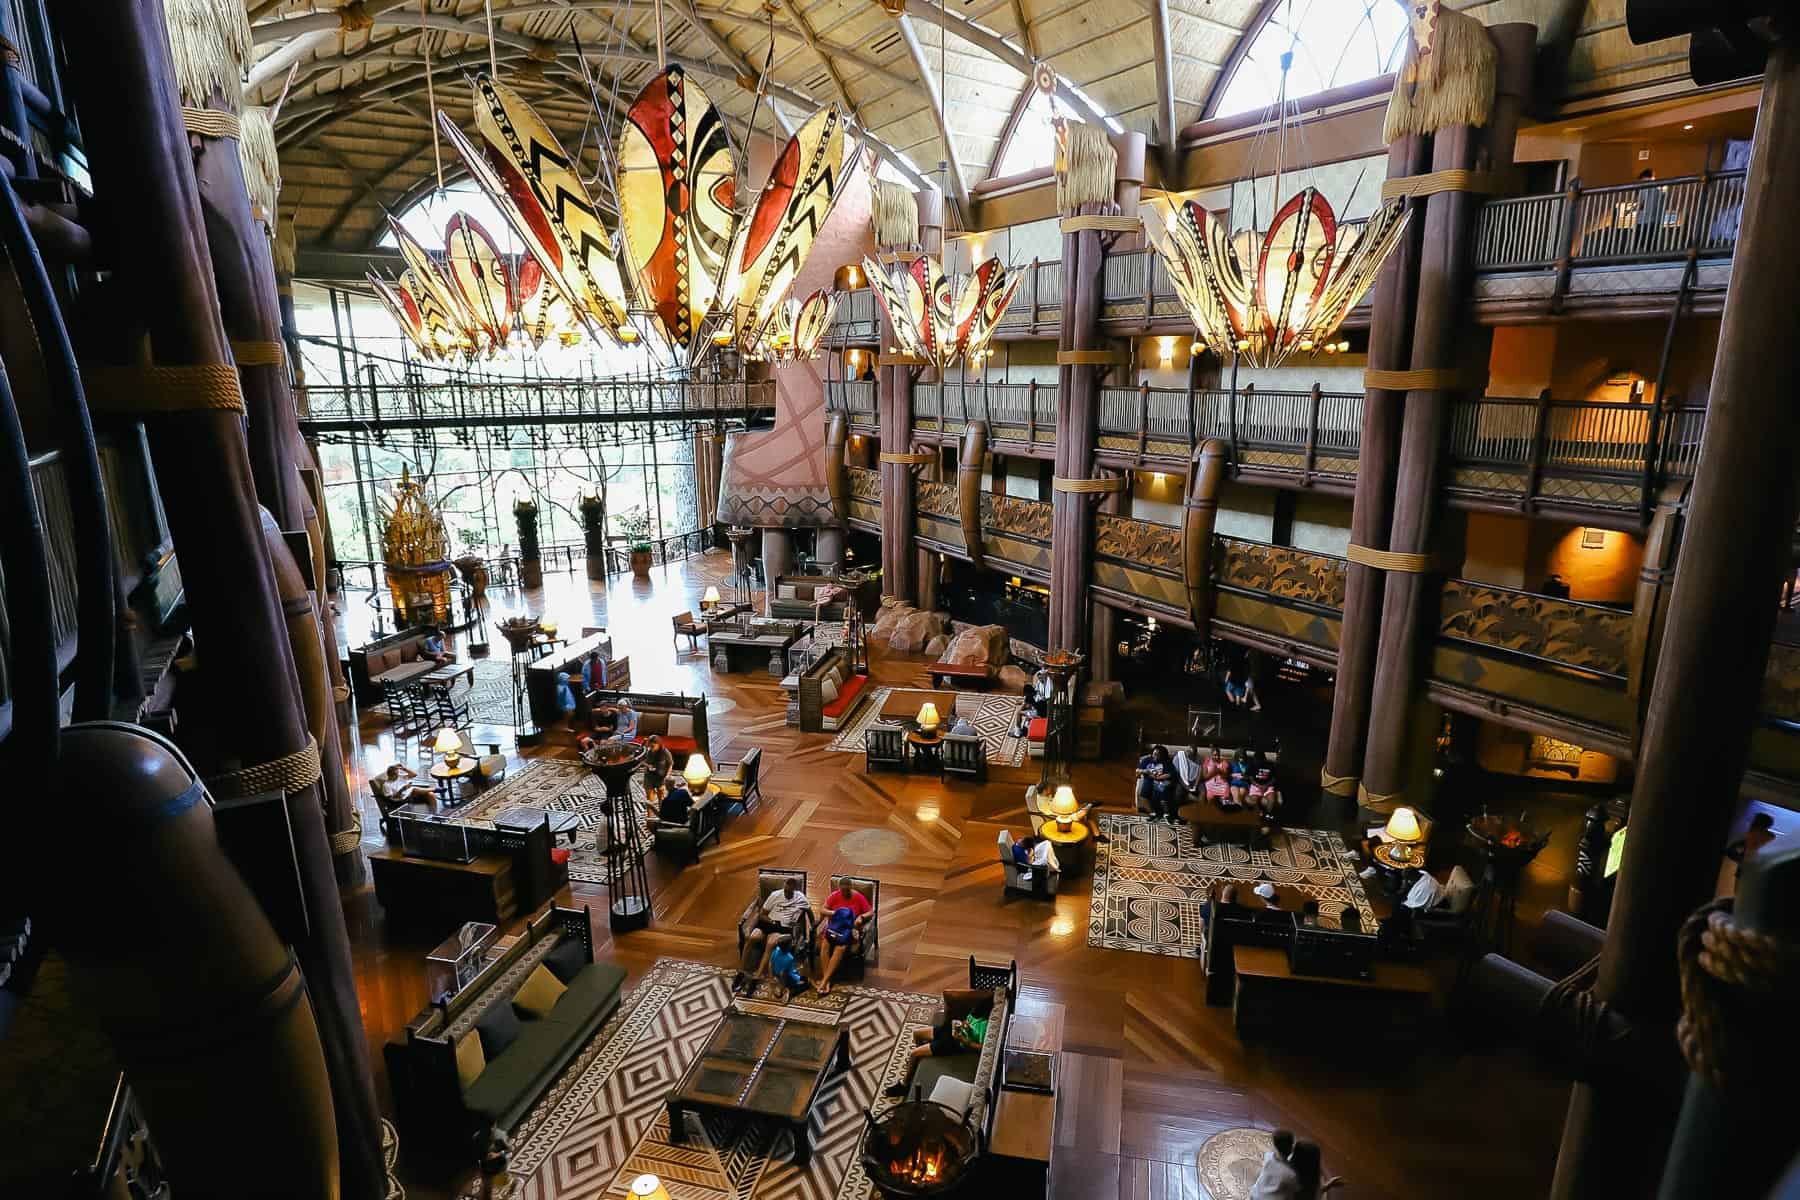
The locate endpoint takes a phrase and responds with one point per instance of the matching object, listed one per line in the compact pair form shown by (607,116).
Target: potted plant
(635,525)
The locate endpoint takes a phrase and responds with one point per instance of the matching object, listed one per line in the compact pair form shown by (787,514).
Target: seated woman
(1237,781)
(1263,792)
(1156,783)
(1214,768)
(1030,708)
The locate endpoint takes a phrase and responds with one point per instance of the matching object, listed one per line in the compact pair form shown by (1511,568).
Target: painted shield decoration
(894,305)
(812,320)
(406,314)
(677,188)
(479,273)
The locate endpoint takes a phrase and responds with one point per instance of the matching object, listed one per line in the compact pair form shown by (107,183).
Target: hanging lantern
(917,301)
(798,329)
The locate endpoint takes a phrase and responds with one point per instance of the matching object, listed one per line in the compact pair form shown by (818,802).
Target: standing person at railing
(1651,209)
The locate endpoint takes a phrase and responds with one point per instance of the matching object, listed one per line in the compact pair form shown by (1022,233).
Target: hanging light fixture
(798,329)
(1266,294)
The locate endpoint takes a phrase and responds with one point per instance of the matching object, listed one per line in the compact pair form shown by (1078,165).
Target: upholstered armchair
(685,839)
(741,782)
(1044,875)
(769,881)
(884,746)
(687,627)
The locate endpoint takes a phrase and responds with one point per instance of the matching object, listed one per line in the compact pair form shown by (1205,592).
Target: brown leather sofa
(396,658)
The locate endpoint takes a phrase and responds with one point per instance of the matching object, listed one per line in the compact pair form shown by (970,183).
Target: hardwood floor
(1149,1071)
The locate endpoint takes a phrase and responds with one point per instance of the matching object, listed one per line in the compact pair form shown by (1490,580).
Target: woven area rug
(491,692)
(1150,880)
(994,718)
(567,787)
(603,1122)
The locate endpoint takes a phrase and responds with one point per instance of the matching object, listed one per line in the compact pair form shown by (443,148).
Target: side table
(1074,847)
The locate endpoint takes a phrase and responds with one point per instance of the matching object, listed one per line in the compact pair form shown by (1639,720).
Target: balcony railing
(857,319)
(1014,411)
(858,396)
(1651,221)
(460,403)
(1038,302)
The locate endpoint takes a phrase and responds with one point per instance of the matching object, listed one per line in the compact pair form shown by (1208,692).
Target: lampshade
(448,741)
(648,1187)
(697,772)
(1403,826)
(928,716)
(711,597)
(1063,804)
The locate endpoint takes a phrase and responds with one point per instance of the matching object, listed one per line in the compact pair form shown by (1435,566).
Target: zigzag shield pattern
(773,244)
(677,188)
(894,305)
(604,1122)
(406,314)
(441,339)
(437,296)
(480,276)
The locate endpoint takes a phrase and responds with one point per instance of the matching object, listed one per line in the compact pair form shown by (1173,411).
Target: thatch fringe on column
(262,165)
(287,249)
(1087,166)
(210,44)
(1453,84)
(894,213)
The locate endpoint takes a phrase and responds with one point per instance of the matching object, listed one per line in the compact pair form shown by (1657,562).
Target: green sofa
(433,1104)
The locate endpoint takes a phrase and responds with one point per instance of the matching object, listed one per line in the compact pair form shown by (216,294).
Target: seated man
(963,727)
(959,1036)
(783,918)
(846,913)
(433,647)
(396,784)
(676,806)
(1156,783)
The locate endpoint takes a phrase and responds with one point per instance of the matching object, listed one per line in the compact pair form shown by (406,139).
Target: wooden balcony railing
(1037,305)
(1651,221)
(858,399)
(460,403)
(857,319)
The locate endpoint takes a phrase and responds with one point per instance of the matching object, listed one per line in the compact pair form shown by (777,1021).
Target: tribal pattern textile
(565,787)
(1150,879)
(994,717)
(603,1123)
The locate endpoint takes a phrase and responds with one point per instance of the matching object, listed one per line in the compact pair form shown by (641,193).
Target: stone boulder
(980,645)
(890,616)
(1109,694)
(1013,678)
(914,630)
(936,646)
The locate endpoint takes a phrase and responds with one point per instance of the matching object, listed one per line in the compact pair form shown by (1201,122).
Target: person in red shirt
(846,912)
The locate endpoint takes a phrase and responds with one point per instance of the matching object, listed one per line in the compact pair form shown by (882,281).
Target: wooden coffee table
(975,675)
(903,705)
(1214,824)
(757,1066)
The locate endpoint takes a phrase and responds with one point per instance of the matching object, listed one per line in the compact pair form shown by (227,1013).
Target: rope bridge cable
(1734,982)
(1338,785)
(1571,1003)
(1388,560)
(210,122)
(1113,483)
(911,458)
(147,391)
(1376,800)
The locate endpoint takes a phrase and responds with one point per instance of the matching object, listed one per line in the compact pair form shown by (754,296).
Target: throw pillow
(469,1060)
(539,994)
(953,1093)
(383,661)
(1459,891)
(567,959)
(803,592)
(828,690)
(681,725)
(1424,894)
(498,1026)
(787,591)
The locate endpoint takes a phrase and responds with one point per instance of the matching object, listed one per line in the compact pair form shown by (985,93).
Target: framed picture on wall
(1593,539)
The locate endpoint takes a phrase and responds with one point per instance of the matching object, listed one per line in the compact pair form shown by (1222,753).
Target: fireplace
(919,1148)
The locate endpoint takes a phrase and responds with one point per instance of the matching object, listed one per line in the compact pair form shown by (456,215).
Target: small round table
(447,775)
(926,747)
(1072,845)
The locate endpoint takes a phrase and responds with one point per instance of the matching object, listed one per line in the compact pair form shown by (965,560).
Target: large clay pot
(640,563)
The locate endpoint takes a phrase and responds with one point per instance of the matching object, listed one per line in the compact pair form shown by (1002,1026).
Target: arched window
(1335,42)
(427,217)
(1034,143)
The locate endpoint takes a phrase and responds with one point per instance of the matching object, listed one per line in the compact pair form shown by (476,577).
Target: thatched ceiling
(354,130)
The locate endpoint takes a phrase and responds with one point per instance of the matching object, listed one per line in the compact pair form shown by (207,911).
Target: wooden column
(146,196)
(1703,699)
(1446,267)
(899,577)
(1371,514)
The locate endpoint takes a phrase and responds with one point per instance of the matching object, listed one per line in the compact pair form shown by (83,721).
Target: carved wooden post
(1409,600)
(1704,698)
(895,404)
(145,192)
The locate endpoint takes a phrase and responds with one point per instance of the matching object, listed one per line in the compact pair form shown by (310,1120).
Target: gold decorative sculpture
(415,551)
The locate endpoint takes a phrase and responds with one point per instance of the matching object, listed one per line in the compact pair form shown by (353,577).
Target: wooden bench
(1271,999)
(976,675)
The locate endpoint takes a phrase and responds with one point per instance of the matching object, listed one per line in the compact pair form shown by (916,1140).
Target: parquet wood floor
(1150,1071)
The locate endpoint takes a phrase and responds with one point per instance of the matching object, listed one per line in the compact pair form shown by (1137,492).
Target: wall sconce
(1165,348)
(1593,539)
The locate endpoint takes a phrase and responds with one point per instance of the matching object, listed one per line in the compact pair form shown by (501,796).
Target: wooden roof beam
(1167,131)
(1014,119)
(953,163)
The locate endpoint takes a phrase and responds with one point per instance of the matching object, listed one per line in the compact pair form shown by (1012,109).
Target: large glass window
(1335,43)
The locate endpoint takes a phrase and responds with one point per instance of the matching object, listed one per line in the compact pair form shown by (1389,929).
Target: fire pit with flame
(918,1148)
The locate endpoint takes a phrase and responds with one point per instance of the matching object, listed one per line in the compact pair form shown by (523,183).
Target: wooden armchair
(741,782)
(963,756)
(884,746)
(871,945)
(768,881)
(687,627)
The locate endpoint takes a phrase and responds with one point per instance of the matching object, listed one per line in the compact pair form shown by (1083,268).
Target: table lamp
(697,773)
(928,717)
(711,598)
(549,627)
(448,744)
(1063,807)
(648,1187)
(1403,830)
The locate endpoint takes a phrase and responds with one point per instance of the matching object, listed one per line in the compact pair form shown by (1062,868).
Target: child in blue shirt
(786,971)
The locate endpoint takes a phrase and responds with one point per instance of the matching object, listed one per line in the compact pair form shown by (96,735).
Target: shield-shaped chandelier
(1265,296)
(928,323)
(798,329)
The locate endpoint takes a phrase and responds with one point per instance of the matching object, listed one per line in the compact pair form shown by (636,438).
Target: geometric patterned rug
(994,718)
(491,692)
(567,787)
(603,1122)
(1150,879)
